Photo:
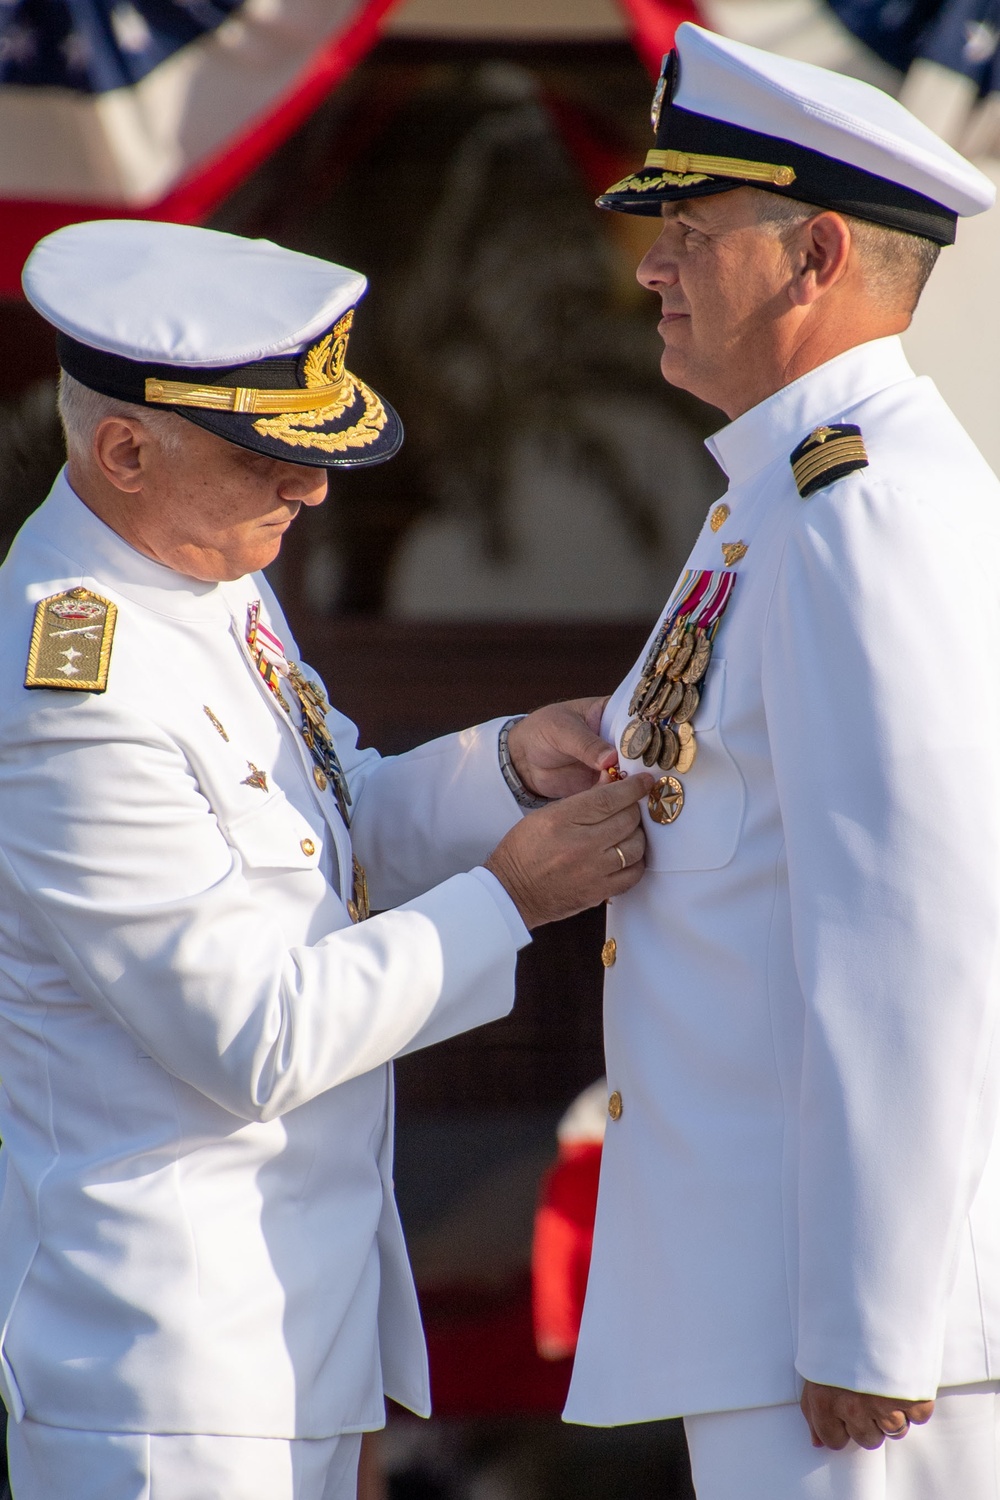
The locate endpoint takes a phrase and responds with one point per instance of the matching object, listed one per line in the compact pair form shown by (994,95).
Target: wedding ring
(620,856)
(900,1431)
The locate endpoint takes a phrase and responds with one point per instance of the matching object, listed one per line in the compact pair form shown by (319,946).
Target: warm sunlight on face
(209,509)
(721,278)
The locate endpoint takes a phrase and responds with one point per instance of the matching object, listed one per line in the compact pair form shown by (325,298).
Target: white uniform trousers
(58,1463)
(765,1453)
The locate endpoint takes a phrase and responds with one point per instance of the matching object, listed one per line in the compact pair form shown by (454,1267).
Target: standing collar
(774,427)
(85,540)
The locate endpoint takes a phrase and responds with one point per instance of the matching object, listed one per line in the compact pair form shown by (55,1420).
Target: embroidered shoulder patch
(71,642)
(828,453)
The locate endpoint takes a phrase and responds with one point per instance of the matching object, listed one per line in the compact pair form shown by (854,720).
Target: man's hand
(564,858)
(837,1417)
(558,750)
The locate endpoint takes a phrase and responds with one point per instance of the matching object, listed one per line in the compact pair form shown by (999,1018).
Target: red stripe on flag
(23,223)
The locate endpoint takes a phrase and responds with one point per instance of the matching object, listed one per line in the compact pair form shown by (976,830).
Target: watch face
(654,113)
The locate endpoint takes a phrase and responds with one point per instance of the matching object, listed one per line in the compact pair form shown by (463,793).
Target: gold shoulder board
(828,453)
(71,642)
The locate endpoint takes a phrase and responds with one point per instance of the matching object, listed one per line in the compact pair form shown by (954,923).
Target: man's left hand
(558,751)
(837,1417)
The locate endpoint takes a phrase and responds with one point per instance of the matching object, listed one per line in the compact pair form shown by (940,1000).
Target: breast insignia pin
(719,517)
(71,642)
(733,552)
(215,722)
(256,778)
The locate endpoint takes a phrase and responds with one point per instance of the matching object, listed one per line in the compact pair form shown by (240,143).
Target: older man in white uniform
(800,1196)
(203,1281)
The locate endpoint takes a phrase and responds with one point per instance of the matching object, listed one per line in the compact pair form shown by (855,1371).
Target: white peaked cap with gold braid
(242,337)
(727,115)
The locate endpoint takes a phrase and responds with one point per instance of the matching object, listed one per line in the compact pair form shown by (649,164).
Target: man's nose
(304,486)
(657,267)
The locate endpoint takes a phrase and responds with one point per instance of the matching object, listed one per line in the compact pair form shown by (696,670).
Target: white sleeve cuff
(519,933)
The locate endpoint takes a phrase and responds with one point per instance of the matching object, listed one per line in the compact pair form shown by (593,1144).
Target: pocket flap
(274,836)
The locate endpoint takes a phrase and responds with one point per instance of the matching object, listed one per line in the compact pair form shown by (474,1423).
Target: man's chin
(236,562)
(676,369)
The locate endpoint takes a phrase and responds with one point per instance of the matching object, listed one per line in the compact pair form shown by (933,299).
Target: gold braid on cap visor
(240,397)
(327,384)
(329,391)
(685,168)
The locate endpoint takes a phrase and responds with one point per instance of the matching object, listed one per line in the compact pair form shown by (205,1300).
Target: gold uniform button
(320,778)
(615,1106)
(308,847)
(609,953)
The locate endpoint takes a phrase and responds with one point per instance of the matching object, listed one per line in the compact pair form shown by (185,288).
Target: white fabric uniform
(766,1453)
(803,1180)
(53,1462)
(197,1222)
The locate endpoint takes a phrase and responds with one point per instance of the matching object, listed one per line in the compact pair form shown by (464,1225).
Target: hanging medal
(319,741)
(269,658)
(666,697)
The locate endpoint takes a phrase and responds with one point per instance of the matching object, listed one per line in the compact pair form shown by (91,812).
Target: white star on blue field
(93,46)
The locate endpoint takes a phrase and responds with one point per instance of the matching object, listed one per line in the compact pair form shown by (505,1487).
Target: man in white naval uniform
(800,1193)
(204,1289)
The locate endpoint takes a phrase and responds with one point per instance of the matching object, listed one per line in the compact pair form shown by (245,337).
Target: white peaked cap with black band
(242,337)
(726,115)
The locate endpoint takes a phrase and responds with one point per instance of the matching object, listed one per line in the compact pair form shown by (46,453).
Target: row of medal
(659,731)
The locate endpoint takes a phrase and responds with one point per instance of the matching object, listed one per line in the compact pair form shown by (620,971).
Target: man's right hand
(564,858)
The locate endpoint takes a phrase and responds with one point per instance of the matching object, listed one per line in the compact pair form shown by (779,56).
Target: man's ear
(121,452)
(820,254)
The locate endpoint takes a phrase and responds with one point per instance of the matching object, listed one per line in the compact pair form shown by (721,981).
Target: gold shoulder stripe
(71,642)
(828,453)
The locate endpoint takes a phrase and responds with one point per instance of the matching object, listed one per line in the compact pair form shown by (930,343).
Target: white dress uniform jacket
(197,1225)
(801,1019)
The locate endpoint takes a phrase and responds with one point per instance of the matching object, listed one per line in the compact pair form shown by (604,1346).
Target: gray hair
(895,265)
(81,410)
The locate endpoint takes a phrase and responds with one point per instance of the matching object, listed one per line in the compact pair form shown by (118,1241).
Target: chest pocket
(274,836)
(707,832)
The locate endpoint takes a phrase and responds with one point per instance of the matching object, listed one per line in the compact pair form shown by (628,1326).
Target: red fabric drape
(653,24)
(192,200)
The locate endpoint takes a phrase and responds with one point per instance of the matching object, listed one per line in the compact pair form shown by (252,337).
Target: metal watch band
(518,790)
